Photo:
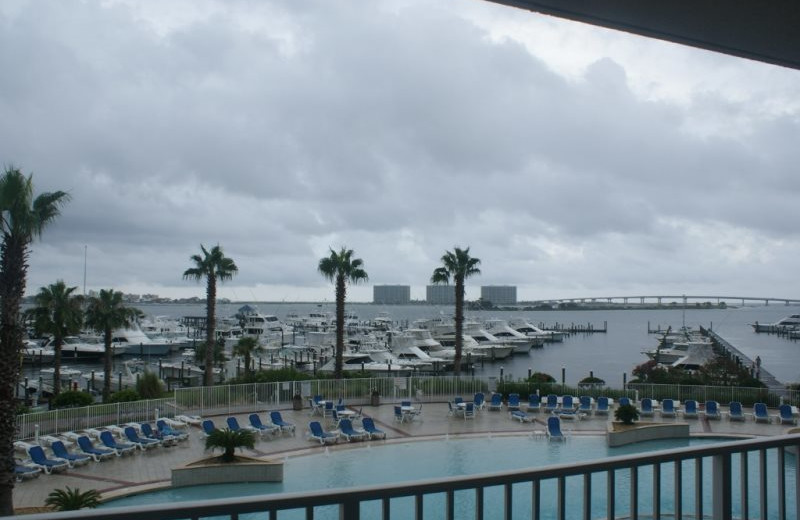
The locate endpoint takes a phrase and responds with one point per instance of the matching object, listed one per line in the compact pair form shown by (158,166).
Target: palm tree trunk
(459,324)
(341,294)
(211,307)
(13,271)
(107,364)
(57,365)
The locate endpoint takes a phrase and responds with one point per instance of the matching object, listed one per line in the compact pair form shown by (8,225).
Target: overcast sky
(574,161)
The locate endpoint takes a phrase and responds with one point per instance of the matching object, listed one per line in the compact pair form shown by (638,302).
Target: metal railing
(755,478)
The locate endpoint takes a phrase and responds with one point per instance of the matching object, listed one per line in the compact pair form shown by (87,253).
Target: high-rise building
(499,294)
(440,294)
(391,294)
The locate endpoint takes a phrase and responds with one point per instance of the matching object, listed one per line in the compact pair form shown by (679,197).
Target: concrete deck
(151,468)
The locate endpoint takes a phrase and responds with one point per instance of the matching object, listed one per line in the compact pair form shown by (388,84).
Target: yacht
(75,348)
(523,343)
(784,324)
(134,342)
(550,336)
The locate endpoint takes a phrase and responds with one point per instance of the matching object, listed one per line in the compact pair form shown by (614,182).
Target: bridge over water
(683,299)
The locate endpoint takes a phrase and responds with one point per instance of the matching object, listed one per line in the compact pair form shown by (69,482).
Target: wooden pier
(575,328)
(762,373)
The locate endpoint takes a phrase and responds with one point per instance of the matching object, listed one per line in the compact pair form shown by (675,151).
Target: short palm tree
(341,268)
(105,313)
(72,499)
(457,265)
(212,265)
(246,347)
(57,312)
(23,217)
(229,440)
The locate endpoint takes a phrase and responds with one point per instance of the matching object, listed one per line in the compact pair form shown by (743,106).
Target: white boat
(550,336)
(74,348)
(790,322)
(503,331)
(127,376)
(34,353)
(134,342)
(414,344)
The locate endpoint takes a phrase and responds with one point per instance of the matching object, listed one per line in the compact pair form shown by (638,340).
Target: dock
(575,328)
(761,373)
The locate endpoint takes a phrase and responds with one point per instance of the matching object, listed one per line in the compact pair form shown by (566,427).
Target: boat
(789,323)
(134,342)
(34,353)
(76,349)
(522,342)
(550,336)
(127,377)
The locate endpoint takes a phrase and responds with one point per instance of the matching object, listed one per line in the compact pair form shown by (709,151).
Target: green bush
(124,396)
(149,385)
(229,440)
(72,399)
(72,499)
(626,414)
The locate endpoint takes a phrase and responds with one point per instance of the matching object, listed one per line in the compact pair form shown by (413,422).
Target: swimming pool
(372,463)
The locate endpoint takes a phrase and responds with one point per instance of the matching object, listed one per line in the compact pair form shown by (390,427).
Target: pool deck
(152,468)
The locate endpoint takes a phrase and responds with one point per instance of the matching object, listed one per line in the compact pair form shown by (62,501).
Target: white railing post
(721,495)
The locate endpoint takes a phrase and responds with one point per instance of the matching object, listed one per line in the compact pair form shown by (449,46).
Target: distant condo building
(440,294)
(391,294)
(499,294)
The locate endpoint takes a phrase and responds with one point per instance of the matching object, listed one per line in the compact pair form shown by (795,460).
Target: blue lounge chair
(405,403)
(372,431)
(469,411)
(40,460)
(208,427)
(534,403)
(120,448)
(318,434)
(551,405)
(624,400)
(554,429)
(690,409)
(399,416)
(166,430)
(233,425)
(585,404)
(567,404)
(496,402)
(458,399)
(98,454)
(328,410)
(139,442)
(785,415)
(712,410)
(646,407)
(73,459)
(668,408)
(602,406)
(22,472)
(520,416)
(735,412)
(149,433)
(760,413)
(347,431)
(278,421)
(479,400)
(260,427)
(513,401)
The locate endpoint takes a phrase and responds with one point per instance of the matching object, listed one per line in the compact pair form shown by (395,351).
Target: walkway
(152,468)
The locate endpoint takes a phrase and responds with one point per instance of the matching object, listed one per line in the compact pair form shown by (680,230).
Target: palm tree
(459,266)
(22,218)
(229,440)
(58,312)
(212,265)
(105,313)
(246,347)
(341,268)
(72,499)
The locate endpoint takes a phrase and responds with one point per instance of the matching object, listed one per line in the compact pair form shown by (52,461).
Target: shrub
(72,499)
(626,414)
(72,399)
(124,396)
(149,385)
(229,440)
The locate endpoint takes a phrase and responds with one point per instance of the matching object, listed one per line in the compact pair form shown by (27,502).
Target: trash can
(375,398)
(297,402)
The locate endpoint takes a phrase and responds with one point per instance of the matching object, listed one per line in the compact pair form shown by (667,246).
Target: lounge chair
(668,408)
(712,410)
(520,416)
(260,427)
(165,430)
(149,433)
(458,399)
(278,421)
(551,404)
(785,415)
(479,400)
(208,427)
(624,400)
(554,429)
(513,401)
(328,410)
(646,407)
(318,434)
(735,412)
(690,409)
(139,442)
(233,425)
(602,406)
(567,404)
(347,431)
(760,413)
(496,402)
(534,403)
(399,416)
(183,421)
(469,411)
(73,459)
(120,448)
(40,460)
(22,472)
(98,454)
(372,431)
(585,404)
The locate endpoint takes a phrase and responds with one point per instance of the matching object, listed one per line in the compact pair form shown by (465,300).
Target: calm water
(608,355)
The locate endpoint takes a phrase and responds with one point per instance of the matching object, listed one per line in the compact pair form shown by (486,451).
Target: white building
(440,294)
(391,294)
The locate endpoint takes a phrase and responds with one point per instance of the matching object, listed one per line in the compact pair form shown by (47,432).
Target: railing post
(721,494)
(349,510)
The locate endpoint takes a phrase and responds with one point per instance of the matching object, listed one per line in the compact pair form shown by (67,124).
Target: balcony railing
(755,478)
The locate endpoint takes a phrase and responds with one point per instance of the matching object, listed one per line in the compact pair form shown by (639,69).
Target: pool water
(373,463)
